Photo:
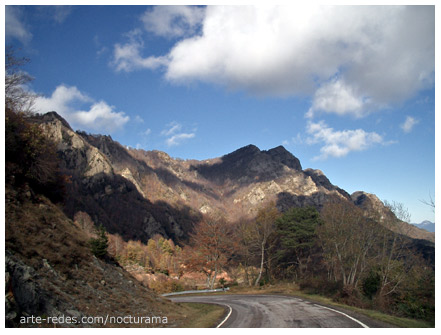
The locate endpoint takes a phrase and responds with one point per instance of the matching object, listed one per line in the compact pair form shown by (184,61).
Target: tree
(211,246)
(296,235)
(391,262)
(430,202)
(99,245)
(257,234)
(16,97)
(31,158)
(346,236)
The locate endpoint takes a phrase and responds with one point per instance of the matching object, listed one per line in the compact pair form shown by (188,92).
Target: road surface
(277,311)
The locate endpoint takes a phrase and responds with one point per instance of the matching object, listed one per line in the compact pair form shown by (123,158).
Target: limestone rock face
(77,154)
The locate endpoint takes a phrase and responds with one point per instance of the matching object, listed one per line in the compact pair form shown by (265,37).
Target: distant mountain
(426,225)
(137,193)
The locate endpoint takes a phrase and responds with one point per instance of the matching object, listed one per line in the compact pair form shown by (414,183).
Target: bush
(163,284)
(319,285)
(371,284)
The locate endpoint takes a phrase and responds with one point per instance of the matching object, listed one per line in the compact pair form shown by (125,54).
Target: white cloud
(340,143)
(174,134)
(100,117)
(69,103)
(178,138)
(173,127)
(14,27)
(351,59)
(339,98)
(128,57)
(173,21)
(63,100)
(408,124)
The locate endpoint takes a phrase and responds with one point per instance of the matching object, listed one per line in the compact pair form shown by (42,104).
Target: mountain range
(137,193)
(426,225)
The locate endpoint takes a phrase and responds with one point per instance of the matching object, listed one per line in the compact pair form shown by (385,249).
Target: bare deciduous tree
(393,249)
(257,234)
(17,98)
(347,236)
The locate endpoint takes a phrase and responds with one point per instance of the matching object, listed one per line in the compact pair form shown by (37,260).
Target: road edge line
(348,316)
(226,318)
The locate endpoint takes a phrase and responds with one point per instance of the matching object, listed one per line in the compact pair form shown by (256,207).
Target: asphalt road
(277,311)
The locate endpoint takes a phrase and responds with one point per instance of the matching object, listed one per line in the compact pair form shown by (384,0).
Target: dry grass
(199,315)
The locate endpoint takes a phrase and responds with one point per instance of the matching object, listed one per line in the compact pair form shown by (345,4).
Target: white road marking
(348,316)
(226,318)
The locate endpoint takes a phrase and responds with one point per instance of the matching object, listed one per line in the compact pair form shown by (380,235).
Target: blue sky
(348,90)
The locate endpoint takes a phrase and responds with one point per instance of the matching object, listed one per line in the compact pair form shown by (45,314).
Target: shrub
(319,285)
(99,245)
(371,284)
(163,284)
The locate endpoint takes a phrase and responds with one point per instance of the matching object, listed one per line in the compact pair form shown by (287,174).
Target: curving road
(277,311)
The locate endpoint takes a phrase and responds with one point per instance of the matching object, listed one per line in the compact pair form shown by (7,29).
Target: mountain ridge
(167,196)
(426,225)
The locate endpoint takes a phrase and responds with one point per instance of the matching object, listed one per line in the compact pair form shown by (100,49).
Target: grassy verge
(394,320)
(201,315)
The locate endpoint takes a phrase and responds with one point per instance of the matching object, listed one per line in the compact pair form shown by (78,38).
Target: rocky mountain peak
(249,164)
(53,117)
(280,154)
(242,153)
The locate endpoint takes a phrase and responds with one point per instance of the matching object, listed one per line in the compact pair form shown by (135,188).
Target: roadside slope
(50,271)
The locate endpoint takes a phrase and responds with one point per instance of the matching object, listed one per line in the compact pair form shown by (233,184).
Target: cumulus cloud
(340,143)
(63,100)
(69,103)
(173,21)
(349,59)
(339,98)
(14,25)
(408,124)
(101,117)
(174,135)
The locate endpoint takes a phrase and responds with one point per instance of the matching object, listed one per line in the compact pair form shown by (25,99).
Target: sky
(349,90)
